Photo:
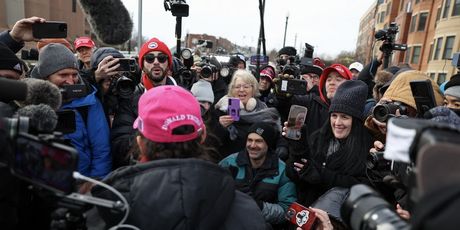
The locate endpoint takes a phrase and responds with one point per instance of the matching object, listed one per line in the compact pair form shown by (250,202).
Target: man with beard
(155,61)
(259,172)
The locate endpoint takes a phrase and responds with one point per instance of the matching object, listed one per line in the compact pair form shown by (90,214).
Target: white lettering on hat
(180,117)
(152,45)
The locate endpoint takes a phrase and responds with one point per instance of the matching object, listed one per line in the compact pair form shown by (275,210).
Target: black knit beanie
(289,50)
(350,98)
(266,131)
(103,52)
(8,60)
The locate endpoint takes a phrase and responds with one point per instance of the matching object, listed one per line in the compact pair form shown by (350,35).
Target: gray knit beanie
(52,58)
(350,98)
(202,90)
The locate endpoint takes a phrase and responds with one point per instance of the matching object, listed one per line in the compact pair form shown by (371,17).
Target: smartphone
(301,216)
(49,29)
(296,119)
(127,65)
(423,94)
(293,86)
(46,164)
(66,121)
(234,108)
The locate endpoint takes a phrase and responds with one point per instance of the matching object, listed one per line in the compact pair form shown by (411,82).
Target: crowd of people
(183,162)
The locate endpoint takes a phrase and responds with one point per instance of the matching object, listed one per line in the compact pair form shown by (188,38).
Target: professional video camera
(42,160)
(178,8)
(182,71)
(415,143)
(388,37)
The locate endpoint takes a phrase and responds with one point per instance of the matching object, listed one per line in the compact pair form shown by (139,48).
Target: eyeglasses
(150,58)
(245,86)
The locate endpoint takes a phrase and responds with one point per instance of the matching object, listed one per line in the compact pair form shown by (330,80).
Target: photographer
(286,56)
(58,65)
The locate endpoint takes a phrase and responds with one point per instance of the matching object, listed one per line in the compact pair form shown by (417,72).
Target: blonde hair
(248,78)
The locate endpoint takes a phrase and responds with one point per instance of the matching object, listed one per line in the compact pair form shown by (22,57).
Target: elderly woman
(338,150)
(232,134)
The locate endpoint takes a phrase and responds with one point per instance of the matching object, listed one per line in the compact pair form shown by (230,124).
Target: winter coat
(270,187)
(91,136)
(233,137)
(122,135)
(180,194)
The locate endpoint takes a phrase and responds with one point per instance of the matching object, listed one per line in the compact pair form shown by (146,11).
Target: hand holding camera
(106,68)
(22,29)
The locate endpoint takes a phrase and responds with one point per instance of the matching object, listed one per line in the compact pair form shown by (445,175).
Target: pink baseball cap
(164,108)
(84,41)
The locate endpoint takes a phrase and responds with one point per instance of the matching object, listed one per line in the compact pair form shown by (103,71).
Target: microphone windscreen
(42,118)
(109,20)
(12,90)
(40,91)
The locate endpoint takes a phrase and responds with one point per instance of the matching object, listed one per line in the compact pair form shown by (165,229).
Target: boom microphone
(40,91)
(12,90)
(109,19)
(42,118)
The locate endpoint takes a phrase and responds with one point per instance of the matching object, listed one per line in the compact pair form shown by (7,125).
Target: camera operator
(311,75)
(58,65)
(286,56)
(237,61)
(155,61)
(452,94)
(267,74)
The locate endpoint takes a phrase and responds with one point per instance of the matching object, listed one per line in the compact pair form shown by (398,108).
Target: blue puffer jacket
(91,138)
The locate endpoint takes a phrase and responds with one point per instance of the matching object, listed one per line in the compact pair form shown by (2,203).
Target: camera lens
(381,112)
(125,87)
(206,71)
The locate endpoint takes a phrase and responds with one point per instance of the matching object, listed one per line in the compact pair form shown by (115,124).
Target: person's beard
(155,78)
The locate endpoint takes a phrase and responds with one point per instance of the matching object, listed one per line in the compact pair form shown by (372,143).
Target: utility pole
(139,23)
(285,29)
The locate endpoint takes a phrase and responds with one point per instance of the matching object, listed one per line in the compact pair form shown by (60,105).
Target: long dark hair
(353,150)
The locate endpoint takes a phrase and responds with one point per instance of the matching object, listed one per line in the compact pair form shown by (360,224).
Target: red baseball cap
(165,108)
(84,41)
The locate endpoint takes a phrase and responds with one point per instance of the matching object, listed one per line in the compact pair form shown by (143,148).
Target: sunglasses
(150,58)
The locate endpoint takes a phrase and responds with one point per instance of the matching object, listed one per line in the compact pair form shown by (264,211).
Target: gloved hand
(282,152)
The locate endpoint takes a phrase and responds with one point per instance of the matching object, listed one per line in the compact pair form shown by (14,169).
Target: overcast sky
(329,25)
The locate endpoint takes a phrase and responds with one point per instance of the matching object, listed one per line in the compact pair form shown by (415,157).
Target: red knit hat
(154,45)
(269,72)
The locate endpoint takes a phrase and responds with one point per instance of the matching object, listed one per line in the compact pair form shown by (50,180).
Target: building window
(406,59)
(441,78)
(432,76)
(445,11)
(417,1)
(382,17)
(413,21)
(456,10)
(415,55)
(448,47)
(438,49)
(409,7)
(74,6)
(422,21)
(388,8)
(401,5)
(431,52)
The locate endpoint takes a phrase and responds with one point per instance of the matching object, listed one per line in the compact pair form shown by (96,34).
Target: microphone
(109,19)
(12,90)
(42,118)
(40,91)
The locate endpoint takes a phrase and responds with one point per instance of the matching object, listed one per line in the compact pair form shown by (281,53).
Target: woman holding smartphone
(232,128)
(338,150)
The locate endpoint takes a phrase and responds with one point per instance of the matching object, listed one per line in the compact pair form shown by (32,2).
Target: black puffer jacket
(180,194)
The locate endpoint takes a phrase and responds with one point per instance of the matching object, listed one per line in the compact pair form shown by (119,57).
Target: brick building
(52,10)
(430,28)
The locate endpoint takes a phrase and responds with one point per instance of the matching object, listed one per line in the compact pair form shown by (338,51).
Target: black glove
(282,152)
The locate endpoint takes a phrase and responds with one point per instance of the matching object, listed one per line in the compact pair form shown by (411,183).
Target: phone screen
(296,119)
(48,165)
